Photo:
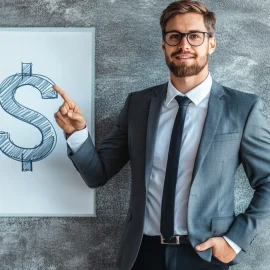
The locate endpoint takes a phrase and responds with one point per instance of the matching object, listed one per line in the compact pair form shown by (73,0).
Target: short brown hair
(186,6)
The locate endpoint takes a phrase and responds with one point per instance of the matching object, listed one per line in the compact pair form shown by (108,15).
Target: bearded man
(185,140)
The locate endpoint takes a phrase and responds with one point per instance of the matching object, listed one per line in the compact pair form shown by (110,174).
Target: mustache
(183,52)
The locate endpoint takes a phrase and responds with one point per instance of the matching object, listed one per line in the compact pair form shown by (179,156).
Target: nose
(183,43)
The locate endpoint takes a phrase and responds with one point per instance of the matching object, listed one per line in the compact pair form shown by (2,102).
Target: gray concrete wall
(129,58)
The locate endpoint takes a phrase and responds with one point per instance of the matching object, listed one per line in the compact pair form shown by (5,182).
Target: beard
(185,70)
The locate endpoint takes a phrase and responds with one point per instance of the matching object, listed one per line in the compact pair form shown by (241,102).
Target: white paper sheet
(31,59)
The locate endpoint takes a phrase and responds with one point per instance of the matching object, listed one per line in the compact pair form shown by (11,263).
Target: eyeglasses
(173,38)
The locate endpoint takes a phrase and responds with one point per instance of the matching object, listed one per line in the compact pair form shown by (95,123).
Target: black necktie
(168,198)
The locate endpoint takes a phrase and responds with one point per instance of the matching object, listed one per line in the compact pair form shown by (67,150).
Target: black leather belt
(176,240)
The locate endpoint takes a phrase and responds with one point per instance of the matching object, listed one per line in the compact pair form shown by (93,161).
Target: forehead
(186,22)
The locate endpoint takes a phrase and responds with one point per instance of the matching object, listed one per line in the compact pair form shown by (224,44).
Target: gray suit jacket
(234,132)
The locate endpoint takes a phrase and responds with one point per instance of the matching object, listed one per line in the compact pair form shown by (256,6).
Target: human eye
(195,36)
(174,36)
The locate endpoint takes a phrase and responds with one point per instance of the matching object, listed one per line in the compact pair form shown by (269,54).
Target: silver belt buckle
(177,238)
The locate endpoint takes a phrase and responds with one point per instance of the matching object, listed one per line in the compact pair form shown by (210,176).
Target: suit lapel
(152,125)
(215,109)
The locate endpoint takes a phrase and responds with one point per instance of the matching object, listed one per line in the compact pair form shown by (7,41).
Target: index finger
(62,93)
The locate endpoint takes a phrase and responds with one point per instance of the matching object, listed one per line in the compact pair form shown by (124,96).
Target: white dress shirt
(193,126)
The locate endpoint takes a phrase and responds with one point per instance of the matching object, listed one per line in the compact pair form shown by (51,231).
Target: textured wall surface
(129,58)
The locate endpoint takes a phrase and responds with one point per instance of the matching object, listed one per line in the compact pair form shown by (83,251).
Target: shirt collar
(196,95)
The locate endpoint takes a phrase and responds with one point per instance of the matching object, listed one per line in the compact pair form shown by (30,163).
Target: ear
(212,44)
(163,46)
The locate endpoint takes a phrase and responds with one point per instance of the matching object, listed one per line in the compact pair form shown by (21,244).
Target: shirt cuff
(76,140)
(234,246)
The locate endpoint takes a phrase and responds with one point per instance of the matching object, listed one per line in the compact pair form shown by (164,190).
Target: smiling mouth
(184,57)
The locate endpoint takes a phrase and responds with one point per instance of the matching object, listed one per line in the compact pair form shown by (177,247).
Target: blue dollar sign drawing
(8,89)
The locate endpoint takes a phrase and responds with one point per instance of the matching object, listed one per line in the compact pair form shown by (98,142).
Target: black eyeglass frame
(186,35)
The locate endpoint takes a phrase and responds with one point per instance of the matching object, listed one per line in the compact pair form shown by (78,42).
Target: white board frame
(90,124)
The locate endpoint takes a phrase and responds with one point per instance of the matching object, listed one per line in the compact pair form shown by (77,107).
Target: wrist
(75,130)
(80,128)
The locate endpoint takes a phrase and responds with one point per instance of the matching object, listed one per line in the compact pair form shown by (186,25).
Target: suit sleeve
(98,166)
(255,157)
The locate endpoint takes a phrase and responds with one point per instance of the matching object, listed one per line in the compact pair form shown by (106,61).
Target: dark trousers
(155,256)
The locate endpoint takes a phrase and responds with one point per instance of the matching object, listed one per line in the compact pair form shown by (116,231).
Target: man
(185,140)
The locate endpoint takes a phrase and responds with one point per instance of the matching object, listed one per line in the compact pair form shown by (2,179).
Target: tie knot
(183,101)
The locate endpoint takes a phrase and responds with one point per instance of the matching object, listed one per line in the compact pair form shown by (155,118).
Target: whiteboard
(37,178)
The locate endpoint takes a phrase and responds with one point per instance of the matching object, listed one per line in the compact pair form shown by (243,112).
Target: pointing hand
(69,116)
